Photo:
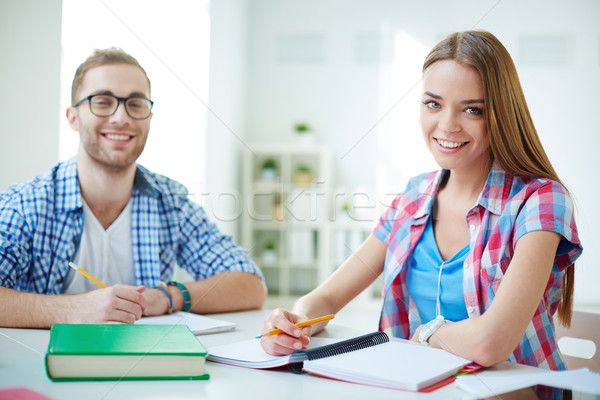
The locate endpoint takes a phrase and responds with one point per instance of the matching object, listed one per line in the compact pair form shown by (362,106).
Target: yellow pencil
(87,275)
(300,325)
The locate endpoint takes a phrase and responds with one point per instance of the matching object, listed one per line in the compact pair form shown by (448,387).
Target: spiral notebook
(370,359)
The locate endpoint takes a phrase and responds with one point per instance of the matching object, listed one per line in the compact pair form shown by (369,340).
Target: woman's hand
(292,338)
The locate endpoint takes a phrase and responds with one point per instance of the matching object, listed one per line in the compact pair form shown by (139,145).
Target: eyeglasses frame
(119,101)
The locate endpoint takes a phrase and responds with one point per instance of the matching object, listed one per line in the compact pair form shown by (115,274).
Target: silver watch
(429,329)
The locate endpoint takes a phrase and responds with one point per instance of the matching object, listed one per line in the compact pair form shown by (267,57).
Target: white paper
(198,324)
(395,365)
(483,385)
(249,353)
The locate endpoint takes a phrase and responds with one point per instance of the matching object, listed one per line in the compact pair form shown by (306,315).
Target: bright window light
(171,41)
(400,141)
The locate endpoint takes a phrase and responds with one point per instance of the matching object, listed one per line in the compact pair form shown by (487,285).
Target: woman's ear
(73,118)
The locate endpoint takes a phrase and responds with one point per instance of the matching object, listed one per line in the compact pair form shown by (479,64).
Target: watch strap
(430,328)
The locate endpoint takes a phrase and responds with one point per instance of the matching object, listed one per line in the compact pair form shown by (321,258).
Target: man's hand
(116,304)
(158,302)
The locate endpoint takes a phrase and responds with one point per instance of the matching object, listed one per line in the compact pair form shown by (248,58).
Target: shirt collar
(67,196)
(68,193)
(427,196)
(142,183)
(496,189)
(492,197)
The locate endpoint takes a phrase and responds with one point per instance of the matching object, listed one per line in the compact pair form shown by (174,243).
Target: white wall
(29,87)
(226,118)
(352,95)
(177,65)
(357,60)
(36,88)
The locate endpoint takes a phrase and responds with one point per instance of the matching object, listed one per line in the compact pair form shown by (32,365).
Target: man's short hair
(113,55)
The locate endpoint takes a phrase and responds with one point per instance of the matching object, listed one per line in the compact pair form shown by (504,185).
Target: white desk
(22,354)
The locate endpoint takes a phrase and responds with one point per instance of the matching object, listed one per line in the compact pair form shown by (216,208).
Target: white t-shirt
(105,253)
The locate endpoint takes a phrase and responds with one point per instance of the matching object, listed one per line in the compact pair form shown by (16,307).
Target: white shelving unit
(290,225)
(286,218)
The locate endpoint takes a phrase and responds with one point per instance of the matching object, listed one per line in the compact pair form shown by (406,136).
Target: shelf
(268,225)
(280,186)
(288,189)
(285,225)
(305,266)
(267,263)
(296,221)
(353,225)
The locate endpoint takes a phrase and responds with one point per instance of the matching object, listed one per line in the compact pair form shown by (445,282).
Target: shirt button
(470,310)
(472,227)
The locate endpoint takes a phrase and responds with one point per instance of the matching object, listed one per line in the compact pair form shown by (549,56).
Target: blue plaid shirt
(41,223)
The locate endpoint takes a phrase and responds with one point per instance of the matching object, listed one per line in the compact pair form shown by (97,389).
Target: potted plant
(346,207)
(304,134)
(269,170)
(303,176)
(269,254)
(301,128)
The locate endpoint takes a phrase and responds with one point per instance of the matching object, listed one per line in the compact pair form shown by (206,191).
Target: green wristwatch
(187,299)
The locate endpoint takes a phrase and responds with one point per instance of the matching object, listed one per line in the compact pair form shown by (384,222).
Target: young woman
(477,257)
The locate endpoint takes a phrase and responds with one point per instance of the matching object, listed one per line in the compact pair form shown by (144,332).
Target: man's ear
(73,118)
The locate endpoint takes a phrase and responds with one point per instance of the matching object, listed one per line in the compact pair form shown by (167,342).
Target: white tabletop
(22,354)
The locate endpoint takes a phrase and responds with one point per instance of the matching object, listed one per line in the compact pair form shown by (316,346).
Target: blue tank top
(422,279)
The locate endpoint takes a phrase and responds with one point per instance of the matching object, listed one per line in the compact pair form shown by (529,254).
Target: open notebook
(370,359)
(198,324)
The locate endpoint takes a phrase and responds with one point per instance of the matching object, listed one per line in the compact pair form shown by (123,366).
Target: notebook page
(249,353)
(396,365)
(198,324)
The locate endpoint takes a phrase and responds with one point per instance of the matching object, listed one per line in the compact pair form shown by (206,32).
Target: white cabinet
(292,225)
(285,226)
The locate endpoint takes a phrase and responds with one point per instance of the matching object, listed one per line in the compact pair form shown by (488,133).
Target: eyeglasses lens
(105,105)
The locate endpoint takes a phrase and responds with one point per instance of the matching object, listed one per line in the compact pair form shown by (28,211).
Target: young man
(125,225)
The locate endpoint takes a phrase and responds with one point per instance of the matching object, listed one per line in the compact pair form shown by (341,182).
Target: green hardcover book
(124,352)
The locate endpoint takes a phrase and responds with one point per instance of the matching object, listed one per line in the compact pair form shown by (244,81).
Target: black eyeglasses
(104,105)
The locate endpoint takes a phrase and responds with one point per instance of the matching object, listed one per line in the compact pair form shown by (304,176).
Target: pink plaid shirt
(507,208)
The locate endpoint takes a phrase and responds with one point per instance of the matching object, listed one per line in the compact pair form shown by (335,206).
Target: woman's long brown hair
(514,142)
